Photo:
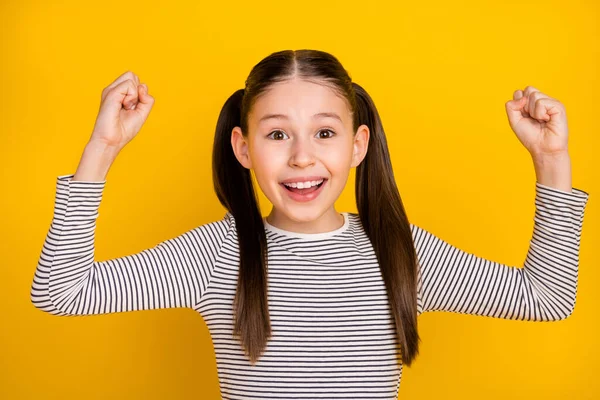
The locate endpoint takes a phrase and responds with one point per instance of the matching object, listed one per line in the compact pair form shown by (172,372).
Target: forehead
(299,100)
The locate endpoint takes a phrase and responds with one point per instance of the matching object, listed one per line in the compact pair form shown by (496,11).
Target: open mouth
(305,190)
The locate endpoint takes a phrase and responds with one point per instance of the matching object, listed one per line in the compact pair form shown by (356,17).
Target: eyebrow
(283,116)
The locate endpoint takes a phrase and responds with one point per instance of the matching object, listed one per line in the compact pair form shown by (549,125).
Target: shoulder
(355,220)
(219,230)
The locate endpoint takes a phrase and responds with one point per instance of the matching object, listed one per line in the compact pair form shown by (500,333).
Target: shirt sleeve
(67,281)
(544,289)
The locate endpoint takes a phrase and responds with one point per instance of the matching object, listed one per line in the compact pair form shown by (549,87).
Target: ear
(361,144)
(240,147)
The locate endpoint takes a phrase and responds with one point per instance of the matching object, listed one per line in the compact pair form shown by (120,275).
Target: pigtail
(234,189)
(384,219)
(380,208)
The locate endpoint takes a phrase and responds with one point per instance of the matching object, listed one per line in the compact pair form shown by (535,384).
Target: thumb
(513,110)
(145,101)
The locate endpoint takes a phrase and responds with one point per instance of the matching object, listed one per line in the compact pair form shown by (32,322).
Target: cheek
(270,162)
(338,160)
(267,163)
(268,158)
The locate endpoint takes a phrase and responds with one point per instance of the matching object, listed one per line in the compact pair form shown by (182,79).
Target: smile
(304,191)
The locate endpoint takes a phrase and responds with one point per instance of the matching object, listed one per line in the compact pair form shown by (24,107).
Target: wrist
(100,147)
(554,170)
(95,162)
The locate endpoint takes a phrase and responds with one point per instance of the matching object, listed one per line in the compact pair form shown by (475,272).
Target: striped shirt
(332,331)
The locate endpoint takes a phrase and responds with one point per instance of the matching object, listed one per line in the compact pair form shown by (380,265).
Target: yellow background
(439,72)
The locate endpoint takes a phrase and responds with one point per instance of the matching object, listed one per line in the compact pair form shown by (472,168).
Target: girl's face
(301,131)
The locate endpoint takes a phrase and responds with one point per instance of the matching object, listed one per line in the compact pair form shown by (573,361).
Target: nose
(302,153)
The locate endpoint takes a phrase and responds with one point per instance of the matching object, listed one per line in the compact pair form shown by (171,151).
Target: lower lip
(305,197)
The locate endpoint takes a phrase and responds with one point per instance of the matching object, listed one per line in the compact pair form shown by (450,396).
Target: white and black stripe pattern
(67,281)
(544,290)
(332,332)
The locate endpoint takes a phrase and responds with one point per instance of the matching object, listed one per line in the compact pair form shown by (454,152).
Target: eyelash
(332,133)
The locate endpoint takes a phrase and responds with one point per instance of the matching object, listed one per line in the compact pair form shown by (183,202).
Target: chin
(304,214)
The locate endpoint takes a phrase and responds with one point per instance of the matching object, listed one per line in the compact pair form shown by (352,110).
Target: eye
(331,133)
(276,131)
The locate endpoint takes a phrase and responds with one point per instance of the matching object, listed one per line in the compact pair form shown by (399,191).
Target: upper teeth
(303,185)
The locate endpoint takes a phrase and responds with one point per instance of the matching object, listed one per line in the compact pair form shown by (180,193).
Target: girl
(309,302)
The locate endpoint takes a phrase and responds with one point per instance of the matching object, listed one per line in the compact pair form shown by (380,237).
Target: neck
(327,222)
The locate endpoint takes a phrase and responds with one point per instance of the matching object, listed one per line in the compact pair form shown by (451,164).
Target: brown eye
(331,133)
(277,135)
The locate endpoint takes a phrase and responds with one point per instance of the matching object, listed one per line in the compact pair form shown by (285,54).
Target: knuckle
(130,83)
(131,75)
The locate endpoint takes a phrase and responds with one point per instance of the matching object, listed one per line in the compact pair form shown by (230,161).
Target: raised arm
(543,290)
(67,281)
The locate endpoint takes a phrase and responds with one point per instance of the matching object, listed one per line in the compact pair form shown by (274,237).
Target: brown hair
(379,204)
